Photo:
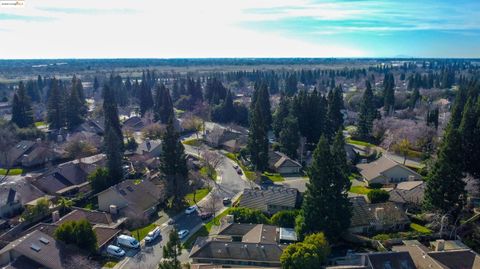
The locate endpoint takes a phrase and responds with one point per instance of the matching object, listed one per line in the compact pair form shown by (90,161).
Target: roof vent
(37,248)
(44,240)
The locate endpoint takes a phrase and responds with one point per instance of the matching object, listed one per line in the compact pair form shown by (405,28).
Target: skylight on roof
(35,247)
(44,240)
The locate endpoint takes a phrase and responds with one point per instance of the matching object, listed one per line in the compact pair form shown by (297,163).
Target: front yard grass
(359,143)
(12,172)
(40,123)
(275,177)
(208,172)
(199,195)
(193,142)
(110,264)
(141,232)
(419,228)
(360,190)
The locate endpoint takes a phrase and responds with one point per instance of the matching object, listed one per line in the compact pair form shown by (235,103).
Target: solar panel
(44,240)
(130,189)
(35,247)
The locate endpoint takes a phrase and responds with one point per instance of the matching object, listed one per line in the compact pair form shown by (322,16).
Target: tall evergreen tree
(469,133)
(96,84)
(174,163)
(114,151)
(257,138)
(261,96)
(55,106)
(110,111)
(280,114)
(326,206)
(445,188)
(22,113)
(291,84)
(368,113)
(289,137)
(334,113)
(389,93)
(74,113)
(414,98)
(146,99)
(163,108)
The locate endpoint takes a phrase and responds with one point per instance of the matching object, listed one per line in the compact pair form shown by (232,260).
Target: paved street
(229,185)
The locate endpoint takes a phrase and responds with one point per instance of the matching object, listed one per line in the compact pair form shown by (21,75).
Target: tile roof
(261,199)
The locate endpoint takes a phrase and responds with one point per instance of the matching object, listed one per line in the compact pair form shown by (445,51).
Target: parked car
(128,241)
(239,171)
(171,222)
(115,251)
(235,166)
(227,201)
(183,233)
(191,209)
(205,215)
(152,235)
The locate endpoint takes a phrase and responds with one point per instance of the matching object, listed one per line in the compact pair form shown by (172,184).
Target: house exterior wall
(288,170)
(398,174)
(109,197)
(9,209)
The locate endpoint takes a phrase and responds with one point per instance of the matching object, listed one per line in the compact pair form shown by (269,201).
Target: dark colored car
(205,215)
(226,201)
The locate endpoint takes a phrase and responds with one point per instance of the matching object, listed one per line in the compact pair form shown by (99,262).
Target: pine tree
(469,133)
(55,106)
(389,93)
(326,206)
(257,138)
(22,113)
(261,96)
(414,98)
(146,99)
(96,85)
(74,113)
(368,113)
(445,189)
(289,137)
(110,111)
(114,151)
(291,85)
(163,108)
(280,114)
(334,113)
(174,163)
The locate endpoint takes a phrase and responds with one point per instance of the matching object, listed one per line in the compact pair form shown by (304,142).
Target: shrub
(247,215)
(79,233)
(285,218)
(375,185)
(310,254)
(378,196)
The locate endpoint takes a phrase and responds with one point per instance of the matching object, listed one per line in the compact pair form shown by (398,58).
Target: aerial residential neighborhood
(292,134)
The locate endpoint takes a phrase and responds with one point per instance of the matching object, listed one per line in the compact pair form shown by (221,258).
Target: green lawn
(419,228)
(354,176)
(205,230)
(199,194)
(193,142)
(208,172)
(275,177)
(110,264)
(360,190)
(12,172)
(40,123)
(359,143)
(141,232)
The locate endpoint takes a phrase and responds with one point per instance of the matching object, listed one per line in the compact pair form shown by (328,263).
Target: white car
(183,233)
(191,209)
(152,235)
(128,241)
(115,251)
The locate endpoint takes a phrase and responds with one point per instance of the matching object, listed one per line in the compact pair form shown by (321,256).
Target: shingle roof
(237,251)
(235,229)
(278,159)
(374,169)
(25,191)
(94,217)
(65,176)
(408,193)
(8,196)
(391,260)
(17,151)
(457,258)
(278,196)
(363,213)
(261,233)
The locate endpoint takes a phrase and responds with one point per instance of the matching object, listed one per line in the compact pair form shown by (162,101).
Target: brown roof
(363,213)
(278,159)
(94,217)
(235,229)
(261,233)
(104,234)
(374,169)
(261,199)
(465,259)
(68,175)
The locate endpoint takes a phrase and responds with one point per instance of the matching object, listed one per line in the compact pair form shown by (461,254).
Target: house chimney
(229,219)
(379,213)
(440,245)
(147,143)
(55,216)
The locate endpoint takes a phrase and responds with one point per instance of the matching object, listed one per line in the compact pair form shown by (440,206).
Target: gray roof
(8,196)
(278,196)
(376,168)
(25,191)
(385,260)
(411,192)
(65,176)
(18,150)
(208,248)
(278,159)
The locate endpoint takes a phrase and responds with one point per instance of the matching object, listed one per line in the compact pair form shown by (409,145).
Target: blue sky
(240,28)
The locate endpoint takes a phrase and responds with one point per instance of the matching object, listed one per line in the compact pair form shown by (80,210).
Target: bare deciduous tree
(153,131)
(211,159)
(192,122)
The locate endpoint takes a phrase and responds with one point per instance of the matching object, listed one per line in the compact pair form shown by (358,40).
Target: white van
(128,241)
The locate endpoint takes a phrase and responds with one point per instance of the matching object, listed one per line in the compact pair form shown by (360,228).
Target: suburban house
(66,180)
(28,154)
(135,199)
(282,164)
(408,193)
(386,171)
(271,200)
(134,123)
(9,203)
(39,250)
(148,148)
(92,126)
(23,190)
(228,138)
(105,226)
(368,218)
(240,245)
(441,254)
